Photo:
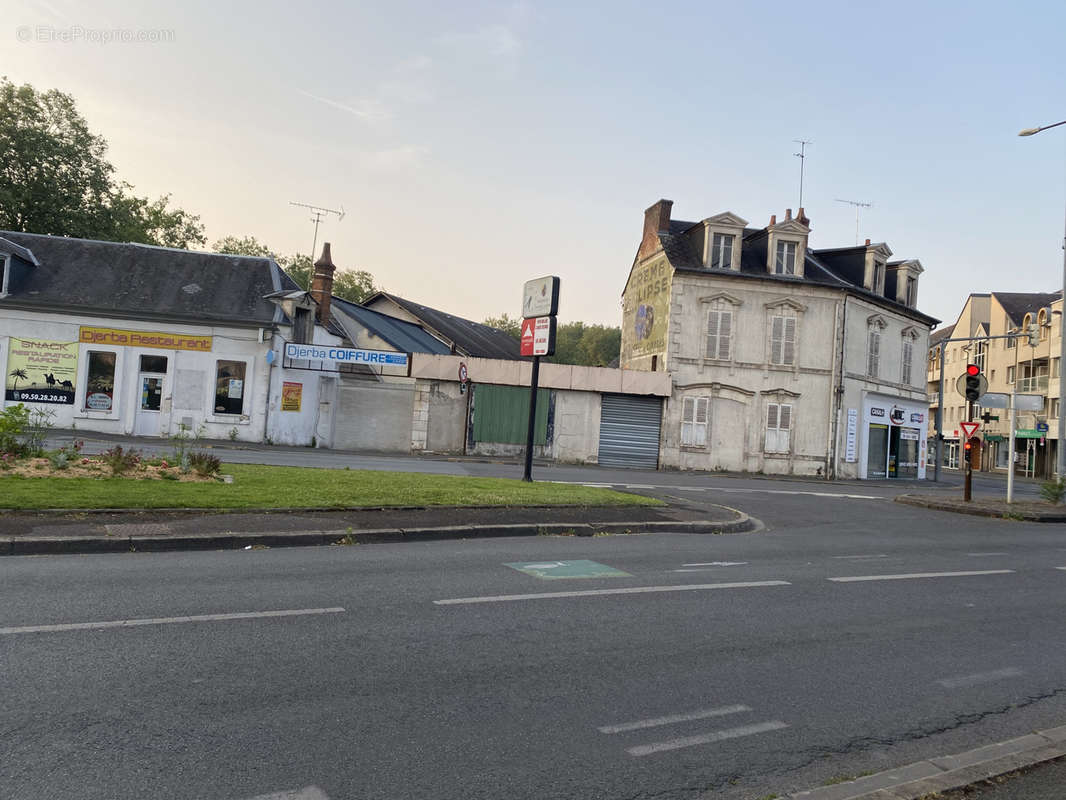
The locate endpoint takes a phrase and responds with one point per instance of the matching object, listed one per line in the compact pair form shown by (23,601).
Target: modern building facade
(784,359)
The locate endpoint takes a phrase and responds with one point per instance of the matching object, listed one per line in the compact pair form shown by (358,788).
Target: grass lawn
(299,487)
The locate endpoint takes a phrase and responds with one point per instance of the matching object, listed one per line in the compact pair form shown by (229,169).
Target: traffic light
(967,446)
(973,384)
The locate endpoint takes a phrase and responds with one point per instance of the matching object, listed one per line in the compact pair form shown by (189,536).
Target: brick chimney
(656,221)
(322,284)
(802,219)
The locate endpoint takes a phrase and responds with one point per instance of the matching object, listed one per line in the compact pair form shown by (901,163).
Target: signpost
(540,304)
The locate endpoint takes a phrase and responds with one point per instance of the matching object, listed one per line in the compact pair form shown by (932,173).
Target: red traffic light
(967,446)
(973,369)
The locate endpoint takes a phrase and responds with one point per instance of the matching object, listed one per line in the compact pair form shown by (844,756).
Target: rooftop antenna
(857,205)
(318,213)
(802,156)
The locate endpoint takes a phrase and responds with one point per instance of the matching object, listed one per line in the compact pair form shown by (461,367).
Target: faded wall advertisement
(645,308)
(41,371)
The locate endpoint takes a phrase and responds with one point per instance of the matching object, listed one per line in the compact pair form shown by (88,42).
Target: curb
(937,504)
(923,778)
(58,545)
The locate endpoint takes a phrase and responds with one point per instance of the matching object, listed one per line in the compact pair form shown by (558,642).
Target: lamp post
(1061,448)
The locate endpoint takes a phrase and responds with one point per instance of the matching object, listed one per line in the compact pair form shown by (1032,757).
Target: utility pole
(802,156)
(318,213)
(857,205)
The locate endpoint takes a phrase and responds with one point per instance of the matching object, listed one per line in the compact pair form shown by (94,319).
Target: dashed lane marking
(656,722)
(129,623)
(908,576)
(308,793)
(706,738)
(982,555)
(861,558)
(961,681)
(504,598)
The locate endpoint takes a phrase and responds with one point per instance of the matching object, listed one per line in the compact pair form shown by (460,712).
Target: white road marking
(855,578)
(503,598)
(706,713)
(961,681)
(706,738)
(129,623)
(308,793)
(981,555)
(1060,567)
(716,564)
(860,558)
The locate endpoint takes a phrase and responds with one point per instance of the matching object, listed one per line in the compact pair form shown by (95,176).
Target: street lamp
(1061,461)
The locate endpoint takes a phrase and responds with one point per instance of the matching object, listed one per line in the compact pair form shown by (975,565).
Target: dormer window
(879,277)
(785,259)
(722,251)
(912,291)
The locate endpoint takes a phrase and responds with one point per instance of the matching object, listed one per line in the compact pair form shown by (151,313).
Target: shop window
(100,382)
(778,426)
(154,364)
(229,387)
(694,413)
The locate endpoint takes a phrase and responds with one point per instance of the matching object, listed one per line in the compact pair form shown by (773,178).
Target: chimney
(802,218)
(788,214)
(322,284)
(867,242)
(773,220)
(656,221)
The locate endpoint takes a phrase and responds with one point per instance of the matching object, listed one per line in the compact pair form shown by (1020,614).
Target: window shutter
(686,420)
(790,341)
(784,417)
(686,412)
(701,410)
(777,335)
(725,333)
(712,334)
(771,416)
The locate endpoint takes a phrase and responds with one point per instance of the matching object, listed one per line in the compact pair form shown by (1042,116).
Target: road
(719,666)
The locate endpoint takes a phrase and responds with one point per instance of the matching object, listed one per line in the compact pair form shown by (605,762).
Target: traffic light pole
(967,486)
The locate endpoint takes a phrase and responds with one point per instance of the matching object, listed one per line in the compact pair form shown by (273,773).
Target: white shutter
(784,428)
(790,341)
(702,404)
(874,354)
(777,335)
(712,334)
(687,413)
(908,355)
(725,333)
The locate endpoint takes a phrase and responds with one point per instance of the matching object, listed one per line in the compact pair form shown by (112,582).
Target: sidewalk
(35,533)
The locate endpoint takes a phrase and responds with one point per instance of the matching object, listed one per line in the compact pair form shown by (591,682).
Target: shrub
(119,460)
(37,427)
(7,460)
(204,463)
(13,424)
(1052,491)
(59,459)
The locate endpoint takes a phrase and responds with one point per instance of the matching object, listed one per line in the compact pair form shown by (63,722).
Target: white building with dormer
(784,359)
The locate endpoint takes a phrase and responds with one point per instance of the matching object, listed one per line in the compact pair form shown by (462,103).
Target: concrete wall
(313,423)
(577,427)
(446,423)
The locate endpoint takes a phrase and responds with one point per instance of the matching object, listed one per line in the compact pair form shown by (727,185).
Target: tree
(55,178)
(512,327)
(575,342)
(348,284)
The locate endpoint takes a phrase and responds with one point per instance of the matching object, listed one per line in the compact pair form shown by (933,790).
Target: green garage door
(629,431)
(501,414)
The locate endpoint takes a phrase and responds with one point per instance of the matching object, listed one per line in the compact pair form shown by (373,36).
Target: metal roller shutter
(629,431)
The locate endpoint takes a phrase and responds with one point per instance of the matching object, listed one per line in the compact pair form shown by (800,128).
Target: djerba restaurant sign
(344,355)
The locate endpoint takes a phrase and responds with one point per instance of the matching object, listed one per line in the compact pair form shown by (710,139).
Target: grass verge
(257,486)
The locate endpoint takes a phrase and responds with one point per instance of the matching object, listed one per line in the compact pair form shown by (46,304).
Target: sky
(477,145)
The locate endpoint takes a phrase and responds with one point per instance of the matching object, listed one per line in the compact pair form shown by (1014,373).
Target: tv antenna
(318,213)
(802,156)
(857,205)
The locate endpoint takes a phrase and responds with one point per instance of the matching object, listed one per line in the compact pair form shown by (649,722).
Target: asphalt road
(727,667)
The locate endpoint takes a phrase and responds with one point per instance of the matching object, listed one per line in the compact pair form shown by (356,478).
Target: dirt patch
(95,468)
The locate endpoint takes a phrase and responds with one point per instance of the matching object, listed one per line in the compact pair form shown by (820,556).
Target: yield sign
(969,429)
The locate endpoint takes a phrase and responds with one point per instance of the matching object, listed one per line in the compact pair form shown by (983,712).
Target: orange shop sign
(163,341)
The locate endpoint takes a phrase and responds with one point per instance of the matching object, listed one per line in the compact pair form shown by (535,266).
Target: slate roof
(137,281)
(820,266)
(943,333)
(470,338)
(1017,304)
(404,336)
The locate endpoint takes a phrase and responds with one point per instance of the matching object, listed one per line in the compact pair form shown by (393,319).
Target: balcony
(1034,385)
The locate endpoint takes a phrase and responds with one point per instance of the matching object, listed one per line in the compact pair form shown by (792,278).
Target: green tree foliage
(55,178)
(575,342)
(352,285)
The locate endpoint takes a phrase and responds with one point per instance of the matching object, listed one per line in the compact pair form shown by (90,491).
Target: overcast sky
(475,145)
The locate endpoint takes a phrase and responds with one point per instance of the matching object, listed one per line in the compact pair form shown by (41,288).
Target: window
(1053,412)
(1045,331)
(4,279)
(783,341)
(153,363)
(1010,374)
(722,251)
(719,333)
(908,357)
(229,387)
(694,421)
(785,263)
(1054,368)
(303,326)
(879,277)
(1011,342)
(873,354)
(912,291)
(100,382)
(979,355)
(778,423)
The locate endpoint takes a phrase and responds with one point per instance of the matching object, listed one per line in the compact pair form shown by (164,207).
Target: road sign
(994,400)
(538,336)
(1028,402)
(1041,426)
(971,386)
(526,340)
(540,297)
(969,429)
(462,372)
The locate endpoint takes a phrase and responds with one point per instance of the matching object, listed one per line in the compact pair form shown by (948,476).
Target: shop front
(894,436)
